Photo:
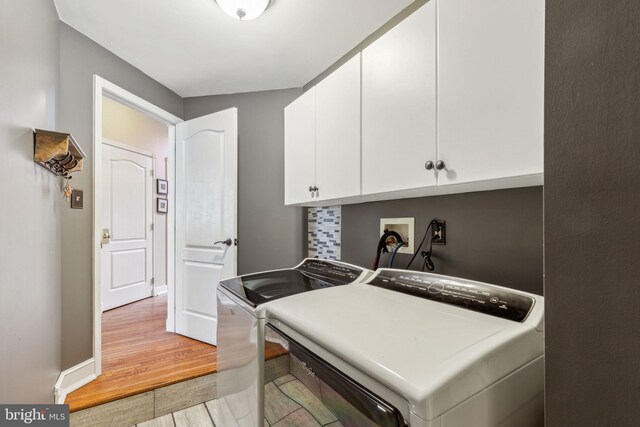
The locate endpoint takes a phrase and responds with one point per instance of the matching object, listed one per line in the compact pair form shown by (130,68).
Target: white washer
(241,318)
(434,350)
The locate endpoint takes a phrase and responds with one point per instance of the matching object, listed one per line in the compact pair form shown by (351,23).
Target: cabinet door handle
(315,188)
(440,165)
(310,188)
(428,165)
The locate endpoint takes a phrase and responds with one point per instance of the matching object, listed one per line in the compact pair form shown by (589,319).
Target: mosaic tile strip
(324,226)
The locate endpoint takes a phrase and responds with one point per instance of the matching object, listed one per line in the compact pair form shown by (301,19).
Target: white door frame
(102,87)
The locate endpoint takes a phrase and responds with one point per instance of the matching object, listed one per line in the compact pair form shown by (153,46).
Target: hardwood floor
(139,355)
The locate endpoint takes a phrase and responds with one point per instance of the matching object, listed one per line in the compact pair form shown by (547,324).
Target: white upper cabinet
(399,105)
(457,85)
(299,149)
(338,133)
(490,89)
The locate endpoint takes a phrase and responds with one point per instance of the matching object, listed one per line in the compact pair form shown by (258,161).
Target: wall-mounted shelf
(57,152)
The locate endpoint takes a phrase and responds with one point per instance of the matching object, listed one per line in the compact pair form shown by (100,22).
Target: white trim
(154,226)
(102,87)
(97,222)
(160,290)
(116,93)
(171,232)
(236,146)
(131,148)
(74,378)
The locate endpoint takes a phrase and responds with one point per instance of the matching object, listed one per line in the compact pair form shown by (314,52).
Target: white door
(338,133)
(490,89)
(206,195)
(300,149)
(127,244)
(399,105)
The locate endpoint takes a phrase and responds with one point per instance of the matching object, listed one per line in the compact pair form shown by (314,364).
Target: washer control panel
(333,270)
(467,294)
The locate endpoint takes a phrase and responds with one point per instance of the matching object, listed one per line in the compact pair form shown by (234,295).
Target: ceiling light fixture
(243,10)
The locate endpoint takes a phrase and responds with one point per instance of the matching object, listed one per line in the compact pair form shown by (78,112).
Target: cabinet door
(490,88)
(399,105)
(338,132)
(299,148)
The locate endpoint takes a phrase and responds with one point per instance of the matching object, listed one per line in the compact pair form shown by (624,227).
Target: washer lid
(311,274)
(435,355)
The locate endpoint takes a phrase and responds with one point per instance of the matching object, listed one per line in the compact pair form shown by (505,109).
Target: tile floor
(289,404)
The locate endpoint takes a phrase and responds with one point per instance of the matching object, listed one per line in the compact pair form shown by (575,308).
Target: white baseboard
(74,378)
(160,289)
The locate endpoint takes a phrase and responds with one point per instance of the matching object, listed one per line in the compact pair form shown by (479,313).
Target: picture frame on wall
(162,186)
(162,205)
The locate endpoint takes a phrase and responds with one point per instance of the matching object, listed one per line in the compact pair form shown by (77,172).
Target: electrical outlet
(404,227)
(438,232)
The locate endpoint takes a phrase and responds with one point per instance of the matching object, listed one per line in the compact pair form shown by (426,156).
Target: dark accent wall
(270,234)
(80,59)
(592,203)
(492,236)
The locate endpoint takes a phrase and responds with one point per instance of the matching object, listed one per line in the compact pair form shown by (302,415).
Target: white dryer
(417,349)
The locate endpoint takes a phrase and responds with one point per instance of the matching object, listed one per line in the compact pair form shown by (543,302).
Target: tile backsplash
(324,229)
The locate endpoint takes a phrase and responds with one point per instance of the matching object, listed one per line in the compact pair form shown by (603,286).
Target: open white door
(127,215)
(206,218)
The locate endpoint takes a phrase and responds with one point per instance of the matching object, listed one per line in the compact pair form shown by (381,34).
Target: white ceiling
(194,48)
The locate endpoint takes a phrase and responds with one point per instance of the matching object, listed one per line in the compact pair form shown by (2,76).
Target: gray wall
(492,236)
(80,59)
(31,205)
(592,201)
(270,235)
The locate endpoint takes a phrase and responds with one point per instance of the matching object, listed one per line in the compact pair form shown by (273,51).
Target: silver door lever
(227,242)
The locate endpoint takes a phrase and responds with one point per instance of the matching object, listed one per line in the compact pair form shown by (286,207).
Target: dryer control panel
(335,271)
(481,297)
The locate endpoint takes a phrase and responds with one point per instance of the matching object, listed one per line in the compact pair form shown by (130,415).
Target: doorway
(109,98)
(201,249)
(198,150)
(135,149)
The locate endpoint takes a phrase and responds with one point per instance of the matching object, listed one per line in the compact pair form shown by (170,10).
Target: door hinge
(151,227)
(153,280)
(151,172)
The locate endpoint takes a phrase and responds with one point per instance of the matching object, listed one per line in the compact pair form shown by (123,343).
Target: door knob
(106,236)
(428,165)
(440,165)
(227,242)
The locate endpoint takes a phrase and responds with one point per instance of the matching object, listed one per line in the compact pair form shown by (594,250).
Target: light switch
(77,199)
